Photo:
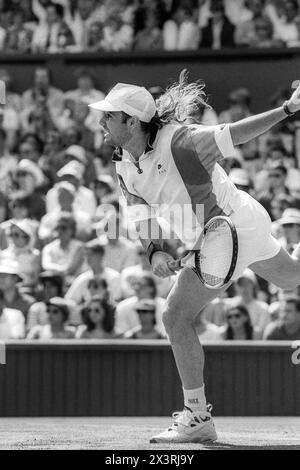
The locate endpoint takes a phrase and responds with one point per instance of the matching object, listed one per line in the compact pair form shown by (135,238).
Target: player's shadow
(227,446)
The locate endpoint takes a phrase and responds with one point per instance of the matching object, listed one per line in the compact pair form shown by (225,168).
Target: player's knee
(174,320)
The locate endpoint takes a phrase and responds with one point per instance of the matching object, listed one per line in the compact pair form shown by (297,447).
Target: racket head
(216,259)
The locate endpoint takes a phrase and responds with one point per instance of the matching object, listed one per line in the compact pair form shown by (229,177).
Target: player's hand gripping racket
(216,256)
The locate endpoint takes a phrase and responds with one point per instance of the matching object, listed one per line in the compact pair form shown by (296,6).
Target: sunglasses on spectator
(23,173)
(95,285)
(146,311)
(275,175)
(95,310)
(19,235)
(234,315)
(63,228)
(290,225)
(53,311)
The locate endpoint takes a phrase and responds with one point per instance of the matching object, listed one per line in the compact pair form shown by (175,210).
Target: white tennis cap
(131,99)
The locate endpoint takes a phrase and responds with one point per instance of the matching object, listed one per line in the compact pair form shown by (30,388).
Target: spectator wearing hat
(287,327)
(66,195)
(12,321)
(52,284)
(58,314)
(84,197)
(126,315)
(130,275)
(98,319)
(21,251)
(95,254)
(13,297)
(29,178)
(146,329)
(65,254)
(290,224)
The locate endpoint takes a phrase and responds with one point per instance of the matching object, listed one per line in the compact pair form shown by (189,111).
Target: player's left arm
(253,126)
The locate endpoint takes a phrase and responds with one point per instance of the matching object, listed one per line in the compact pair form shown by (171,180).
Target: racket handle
(175,265)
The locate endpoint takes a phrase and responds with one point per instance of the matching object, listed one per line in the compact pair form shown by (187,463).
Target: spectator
(29,179)
(146,329)
(95,253)
(117,35)
(12,322)
(66,195)
(239,326)
(290,223)
(126,316)
(95,37)
(55,328)
(150,37)
(18,36)
(43,89)
(288,326)
(53,286)
(65,254)
(86,91)
(98,319)
(13,99)
(205,330)
(219,32)
(13,297)
(263,34)
(285,28)
(29,149)
(239,106)
(119,251)
(103,186)
(277,174)
(245,33)
(130,276)
(181,32)
(19,209)
(8,163)
(21,250)
(84,197)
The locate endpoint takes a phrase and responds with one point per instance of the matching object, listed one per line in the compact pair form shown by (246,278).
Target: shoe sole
(192,441)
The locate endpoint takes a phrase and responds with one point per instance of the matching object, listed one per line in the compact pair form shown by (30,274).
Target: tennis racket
(216,257)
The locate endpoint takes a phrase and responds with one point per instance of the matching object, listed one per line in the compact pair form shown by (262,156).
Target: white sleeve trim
(224,141)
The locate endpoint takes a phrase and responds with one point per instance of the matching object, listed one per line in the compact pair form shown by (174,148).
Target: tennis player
(165,165)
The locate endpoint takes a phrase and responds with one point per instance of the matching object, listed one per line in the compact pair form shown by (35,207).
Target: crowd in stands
(63,274)
(44,26)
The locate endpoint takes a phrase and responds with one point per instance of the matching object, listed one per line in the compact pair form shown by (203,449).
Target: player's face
(115,129)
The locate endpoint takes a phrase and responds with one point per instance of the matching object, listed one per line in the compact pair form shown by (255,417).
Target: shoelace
(186,416)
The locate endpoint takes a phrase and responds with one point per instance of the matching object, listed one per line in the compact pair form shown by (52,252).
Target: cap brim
(288,220)
(104,105)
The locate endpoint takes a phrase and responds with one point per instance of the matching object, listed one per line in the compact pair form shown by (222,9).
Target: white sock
(195,399)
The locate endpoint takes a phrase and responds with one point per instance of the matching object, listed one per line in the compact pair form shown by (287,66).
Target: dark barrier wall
(263,71)
(138,378)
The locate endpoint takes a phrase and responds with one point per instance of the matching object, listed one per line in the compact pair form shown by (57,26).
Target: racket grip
(175,265)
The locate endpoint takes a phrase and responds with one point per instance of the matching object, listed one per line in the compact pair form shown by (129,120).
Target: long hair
(247,325)
(108,321)
(182,101)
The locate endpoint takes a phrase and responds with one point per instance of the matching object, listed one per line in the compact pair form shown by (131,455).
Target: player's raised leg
(187,298)
(283,270)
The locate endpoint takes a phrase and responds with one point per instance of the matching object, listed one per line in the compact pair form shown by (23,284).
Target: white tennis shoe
(189,427)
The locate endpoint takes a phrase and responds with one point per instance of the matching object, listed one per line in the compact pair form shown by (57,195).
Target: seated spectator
(276,185)
(19,209)
(239,106)
(12,322)
(21,250)
(55,328)
(219,32)
(8,163)
(150,37)
(13,99)
(205,330)
(181,31)
(30,148)
(290,224)
(245,32)
(120,253)
(94,37)
(18,36)
(84,197)
(29,180)
(263,29)
(86,90)
(13,297)
(98,319)
(278,205)
(66,195)
(52,35)
(285,28)
(147,322)
(65,254)
(102,186)
(52,286)
(126,315)
(117,35)
(78,291)
(130,275)
(238,325)
(42,88)
(288,326)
